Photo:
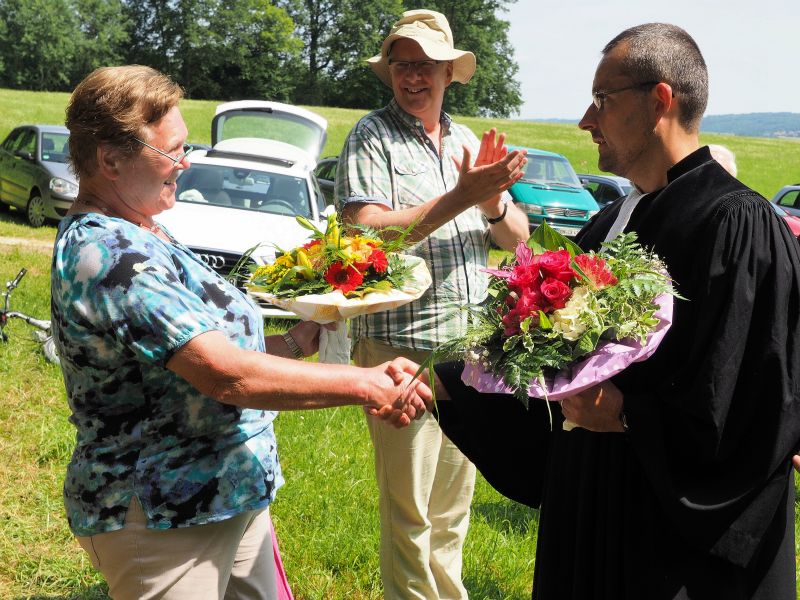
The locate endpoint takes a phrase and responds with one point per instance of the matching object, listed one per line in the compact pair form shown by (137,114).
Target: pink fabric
(284,591)
(609,359)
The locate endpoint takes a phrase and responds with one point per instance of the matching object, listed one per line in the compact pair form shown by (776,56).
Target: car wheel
(4,207)
(35,210)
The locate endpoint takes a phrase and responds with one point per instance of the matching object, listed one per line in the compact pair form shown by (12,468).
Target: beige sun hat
(432,32)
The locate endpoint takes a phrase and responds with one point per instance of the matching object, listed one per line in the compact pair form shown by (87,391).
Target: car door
(7,161)
(20,176)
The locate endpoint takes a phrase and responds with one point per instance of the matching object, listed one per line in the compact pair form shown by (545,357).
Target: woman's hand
(404,399)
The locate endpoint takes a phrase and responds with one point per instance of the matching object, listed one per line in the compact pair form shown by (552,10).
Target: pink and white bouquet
(558,320)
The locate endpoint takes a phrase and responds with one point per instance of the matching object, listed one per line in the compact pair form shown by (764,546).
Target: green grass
(326,515)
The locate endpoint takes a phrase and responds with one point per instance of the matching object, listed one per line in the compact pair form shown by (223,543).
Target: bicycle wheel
(50,352)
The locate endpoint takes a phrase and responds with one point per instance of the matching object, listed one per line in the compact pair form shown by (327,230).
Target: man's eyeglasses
(423,67)
(176,160)
(599,98)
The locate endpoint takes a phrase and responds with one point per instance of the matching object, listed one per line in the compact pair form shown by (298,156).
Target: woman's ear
(108,160)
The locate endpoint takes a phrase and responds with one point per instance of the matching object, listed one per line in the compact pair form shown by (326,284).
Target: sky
(751,47)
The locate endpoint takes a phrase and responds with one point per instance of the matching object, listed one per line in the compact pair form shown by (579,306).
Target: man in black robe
(679,482)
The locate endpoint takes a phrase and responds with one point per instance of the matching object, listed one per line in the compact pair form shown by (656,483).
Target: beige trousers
(425,485)
(231,559)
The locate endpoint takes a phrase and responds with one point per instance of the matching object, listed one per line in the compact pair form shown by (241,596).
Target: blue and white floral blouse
(123,301)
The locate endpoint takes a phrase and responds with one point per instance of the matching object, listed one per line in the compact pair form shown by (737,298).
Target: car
(788,198)
(550,191)
(326,176)
(246,191)
(35,176)
(791,220)
(605,188)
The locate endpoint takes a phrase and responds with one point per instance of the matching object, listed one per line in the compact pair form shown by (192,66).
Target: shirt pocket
(414,182)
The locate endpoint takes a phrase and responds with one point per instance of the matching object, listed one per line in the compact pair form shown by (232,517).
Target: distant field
(765,164)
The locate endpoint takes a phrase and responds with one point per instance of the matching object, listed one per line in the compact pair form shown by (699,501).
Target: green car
(551,191)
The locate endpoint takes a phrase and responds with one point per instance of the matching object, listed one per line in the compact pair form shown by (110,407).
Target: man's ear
(665,99)
(108,160)
(449,73)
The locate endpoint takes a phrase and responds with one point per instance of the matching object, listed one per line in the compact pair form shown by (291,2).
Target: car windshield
(245,189)
(551,170)
(55,147)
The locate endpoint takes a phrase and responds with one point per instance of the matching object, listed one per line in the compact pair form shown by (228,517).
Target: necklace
(154,228)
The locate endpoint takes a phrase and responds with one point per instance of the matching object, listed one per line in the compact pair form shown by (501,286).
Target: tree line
(308,52)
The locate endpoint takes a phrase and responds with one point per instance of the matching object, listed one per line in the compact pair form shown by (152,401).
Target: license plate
(567,231)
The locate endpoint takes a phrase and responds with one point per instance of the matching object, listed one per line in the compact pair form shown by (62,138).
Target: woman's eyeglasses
(176,160)
(599,98)
(423,67)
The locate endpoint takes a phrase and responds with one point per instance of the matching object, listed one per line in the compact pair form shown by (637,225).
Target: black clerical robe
(697,499)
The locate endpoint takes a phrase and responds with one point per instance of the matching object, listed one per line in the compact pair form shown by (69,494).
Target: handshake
(400,397)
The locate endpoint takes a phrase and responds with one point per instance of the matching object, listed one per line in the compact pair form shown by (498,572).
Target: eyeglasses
(423,67)
(176,160)
(599,98)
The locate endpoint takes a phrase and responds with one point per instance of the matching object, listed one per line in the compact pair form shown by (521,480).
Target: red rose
(557,292)
(344,279)
(556,264)
(378,260)
(596,271)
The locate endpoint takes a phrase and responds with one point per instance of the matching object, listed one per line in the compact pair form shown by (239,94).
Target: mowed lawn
(326,515)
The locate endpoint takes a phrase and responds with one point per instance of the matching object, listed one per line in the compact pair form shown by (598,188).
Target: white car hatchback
(249,187)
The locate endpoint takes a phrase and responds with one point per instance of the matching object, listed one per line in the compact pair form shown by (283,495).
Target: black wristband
(288,338)
(502,214)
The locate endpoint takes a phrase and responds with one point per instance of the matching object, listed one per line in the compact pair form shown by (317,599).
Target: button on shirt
(123,301)
(388,160)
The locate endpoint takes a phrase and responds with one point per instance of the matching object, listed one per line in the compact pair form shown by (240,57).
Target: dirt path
(38,245)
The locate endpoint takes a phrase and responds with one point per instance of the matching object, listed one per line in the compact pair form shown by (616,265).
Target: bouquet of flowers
(558,320)
(334,277)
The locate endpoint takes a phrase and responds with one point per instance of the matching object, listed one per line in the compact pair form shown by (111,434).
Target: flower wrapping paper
(607,360)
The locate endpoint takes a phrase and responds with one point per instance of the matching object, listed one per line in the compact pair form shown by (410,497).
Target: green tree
(338,36)
(494,89)
(104,33)
(215,48)
(39,43)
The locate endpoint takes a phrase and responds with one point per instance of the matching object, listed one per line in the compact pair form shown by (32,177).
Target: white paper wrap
(334,346)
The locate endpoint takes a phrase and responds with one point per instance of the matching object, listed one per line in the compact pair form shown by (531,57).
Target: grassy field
(326,515)
(765,164)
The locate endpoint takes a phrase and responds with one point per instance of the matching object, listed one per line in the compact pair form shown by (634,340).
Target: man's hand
(596,409)
(796,462)
(485,181)
(407,397)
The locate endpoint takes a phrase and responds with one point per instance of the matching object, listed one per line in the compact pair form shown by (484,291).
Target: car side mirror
(24,154)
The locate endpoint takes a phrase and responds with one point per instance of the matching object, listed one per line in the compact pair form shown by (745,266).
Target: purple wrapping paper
(606,361)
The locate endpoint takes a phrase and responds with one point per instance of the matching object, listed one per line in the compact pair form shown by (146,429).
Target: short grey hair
(725,157)
(664,52)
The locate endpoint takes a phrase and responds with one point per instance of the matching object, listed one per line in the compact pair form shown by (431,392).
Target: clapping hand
(495,170)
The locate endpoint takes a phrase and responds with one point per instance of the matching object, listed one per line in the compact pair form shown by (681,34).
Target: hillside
(783,124)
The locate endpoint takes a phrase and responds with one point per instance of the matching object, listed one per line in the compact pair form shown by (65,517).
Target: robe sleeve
(507,442)
(716,434)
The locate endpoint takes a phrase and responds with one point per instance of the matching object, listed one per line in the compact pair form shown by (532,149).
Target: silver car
(34,172)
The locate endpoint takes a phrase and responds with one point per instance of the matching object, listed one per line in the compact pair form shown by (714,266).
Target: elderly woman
(172,385)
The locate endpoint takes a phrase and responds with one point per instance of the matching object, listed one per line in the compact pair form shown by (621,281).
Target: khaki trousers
(231,559)
(425,485)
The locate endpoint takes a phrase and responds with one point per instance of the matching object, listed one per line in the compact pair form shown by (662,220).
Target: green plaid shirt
(387,159)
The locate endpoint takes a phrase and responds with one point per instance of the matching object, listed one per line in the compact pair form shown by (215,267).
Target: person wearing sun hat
(409,163)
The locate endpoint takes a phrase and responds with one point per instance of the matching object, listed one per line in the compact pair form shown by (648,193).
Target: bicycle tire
(50,352)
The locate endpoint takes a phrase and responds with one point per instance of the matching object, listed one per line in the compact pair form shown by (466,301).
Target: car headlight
(62,187)
(531,209)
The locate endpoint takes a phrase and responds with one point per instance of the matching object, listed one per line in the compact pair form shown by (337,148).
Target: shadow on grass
(508,516)
(490,589)
(96,592)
